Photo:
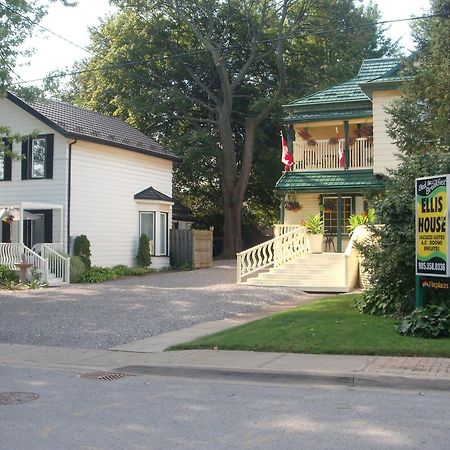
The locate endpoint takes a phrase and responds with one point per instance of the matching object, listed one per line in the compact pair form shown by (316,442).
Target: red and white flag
(286,157)
(342,160)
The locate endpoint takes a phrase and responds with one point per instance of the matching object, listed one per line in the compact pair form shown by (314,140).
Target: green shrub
(6,275)
(97,274)
(143,257)
(430,322)
(82,248)
(124,271)
(77,269)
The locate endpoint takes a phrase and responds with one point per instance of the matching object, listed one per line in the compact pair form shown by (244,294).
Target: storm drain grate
(17,398)
(105,376)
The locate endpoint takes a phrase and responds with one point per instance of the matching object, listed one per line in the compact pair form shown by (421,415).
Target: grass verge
(328,326)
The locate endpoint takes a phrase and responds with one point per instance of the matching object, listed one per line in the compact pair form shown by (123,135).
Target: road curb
(293,377)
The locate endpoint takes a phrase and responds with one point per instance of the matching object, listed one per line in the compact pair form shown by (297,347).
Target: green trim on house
(327,115)
(333,181)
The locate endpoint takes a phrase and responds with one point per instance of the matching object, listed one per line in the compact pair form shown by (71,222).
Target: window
(5,162)
(155,226)
(38,157)
(330,215)
(163,233)
(147,226)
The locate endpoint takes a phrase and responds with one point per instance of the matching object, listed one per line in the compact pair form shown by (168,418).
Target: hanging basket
(293,206)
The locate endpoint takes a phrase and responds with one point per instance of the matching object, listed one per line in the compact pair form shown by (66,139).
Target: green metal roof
(349,91)
(341,180)
(328,115)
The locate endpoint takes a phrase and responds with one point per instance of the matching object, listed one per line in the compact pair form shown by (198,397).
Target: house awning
(333,181)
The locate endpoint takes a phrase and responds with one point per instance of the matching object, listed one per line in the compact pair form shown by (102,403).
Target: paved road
(109,314)
(143,412)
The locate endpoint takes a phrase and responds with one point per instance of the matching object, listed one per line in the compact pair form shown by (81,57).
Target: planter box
(315,243)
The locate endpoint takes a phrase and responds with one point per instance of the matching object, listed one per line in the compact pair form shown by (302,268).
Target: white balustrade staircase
(52,266)
(325,272)
(287,260)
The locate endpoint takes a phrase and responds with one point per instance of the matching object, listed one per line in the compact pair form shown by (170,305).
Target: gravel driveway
(105,315)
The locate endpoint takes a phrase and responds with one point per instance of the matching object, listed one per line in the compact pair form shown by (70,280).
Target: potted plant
(314,227)
(8,219)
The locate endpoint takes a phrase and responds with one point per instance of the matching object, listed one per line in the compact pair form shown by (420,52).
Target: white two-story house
(82,172)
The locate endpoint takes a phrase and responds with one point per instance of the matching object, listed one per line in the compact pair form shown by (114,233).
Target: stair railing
(58,264)
(274,252)
(10,254)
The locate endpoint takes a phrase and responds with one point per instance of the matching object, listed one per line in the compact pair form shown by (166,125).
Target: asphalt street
(150,412)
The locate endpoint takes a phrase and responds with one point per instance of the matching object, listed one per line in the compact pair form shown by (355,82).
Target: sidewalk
(358,371)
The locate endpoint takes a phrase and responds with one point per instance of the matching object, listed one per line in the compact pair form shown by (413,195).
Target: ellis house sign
(432,217)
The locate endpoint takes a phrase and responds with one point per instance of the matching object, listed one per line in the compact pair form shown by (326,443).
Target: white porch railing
(279,229)
(10,254)
(56,246)
(326,156)
(58,264)
(275,252)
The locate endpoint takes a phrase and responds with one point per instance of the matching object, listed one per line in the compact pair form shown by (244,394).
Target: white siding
(384,148)
(53,191)
(104,182)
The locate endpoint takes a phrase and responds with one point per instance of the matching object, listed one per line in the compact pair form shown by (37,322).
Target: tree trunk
(234,192)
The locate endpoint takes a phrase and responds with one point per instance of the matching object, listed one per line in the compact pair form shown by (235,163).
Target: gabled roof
(152,194)
(78,123)
(342,180)
(345,98)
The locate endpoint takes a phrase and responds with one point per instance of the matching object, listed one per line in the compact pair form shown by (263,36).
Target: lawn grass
(329,326)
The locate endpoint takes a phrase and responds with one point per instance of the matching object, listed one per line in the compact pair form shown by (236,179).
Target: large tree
(207,74)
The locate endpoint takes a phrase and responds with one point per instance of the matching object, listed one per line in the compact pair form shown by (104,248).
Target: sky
(52,53)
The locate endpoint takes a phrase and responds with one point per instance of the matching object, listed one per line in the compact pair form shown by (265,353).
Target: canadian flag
(342,161)
(286,157)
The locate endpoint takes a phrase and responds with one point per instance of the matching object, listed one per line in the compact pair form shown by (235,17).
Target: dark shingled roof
(152,194)
(342,180)
(181,212)
(78,123)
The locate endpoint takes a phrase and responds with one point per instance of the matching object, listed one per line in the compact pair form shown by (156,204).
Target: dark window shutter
(49,156)
(7,162)
(8,168)
(48,226)
(25,159)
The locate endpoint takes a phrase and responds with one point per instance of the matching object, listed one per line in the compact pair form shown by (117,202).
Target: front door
(40,229)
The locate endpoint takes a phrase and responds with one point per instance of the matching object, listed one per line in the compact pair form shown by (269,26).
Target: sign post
(432,240)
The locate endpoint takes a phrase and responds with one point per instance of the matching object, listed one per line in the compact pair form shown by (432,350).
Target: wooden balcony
(324,155)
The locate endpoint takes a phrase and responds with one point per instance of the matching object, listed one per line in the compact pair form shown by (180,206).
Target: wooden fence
(193,248)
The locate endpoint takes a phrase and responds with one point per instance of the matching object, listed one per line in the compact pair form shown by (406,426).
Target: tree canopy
(17,21)
(207,77)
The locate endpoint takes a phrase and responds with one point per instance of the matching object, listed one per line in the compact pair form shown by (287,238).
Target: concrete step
(335,288)
(54,281)
(314,273)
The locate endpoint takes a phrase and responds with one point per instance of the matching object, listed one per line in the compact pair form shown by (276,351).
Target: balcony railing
(324,155)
